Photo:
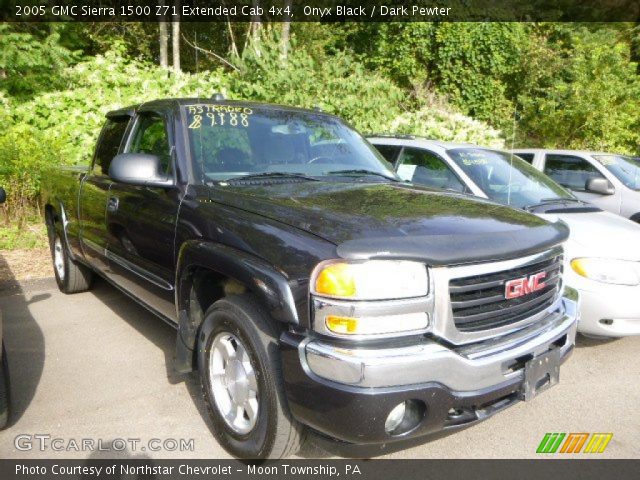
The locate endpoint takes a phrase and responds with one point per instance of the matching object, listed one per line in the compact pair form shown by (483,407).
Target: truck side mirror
(139,169)
(3,195)
(601,186)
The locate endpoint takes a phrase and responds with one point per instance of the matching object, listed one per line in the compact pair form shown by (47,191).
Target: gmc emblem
(524,286)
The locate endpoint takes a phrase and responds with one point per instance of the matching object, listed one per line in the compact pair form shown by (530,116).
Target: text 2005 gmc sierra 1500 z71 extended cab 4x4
(310,287)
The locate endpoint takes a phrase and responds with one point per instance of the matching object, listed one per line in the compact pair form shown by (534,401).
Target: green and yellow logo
(573,442)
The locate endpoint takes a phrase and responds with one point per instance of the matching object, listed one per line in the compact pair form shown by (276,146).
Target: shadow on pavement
(23,340)
(588,342)
(146,323)
(111,451)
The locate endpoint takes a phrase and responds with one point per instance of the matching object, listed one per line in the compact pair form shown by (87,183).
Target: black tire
(71,277)
(275,433)
(4,390)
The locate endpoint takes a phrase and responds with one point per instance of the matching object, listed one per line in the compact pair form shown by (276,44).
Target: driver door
(141,221)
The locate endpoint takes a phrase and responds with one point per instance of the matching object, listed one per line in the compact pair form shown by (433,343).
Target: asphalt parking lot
(98,366)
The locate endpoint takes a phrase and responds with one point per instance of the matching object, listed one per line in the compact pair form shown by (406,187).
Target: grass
(31,235)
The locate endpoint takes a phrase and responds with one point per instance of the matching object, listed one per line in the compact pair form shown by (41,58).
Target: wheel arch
(208,271)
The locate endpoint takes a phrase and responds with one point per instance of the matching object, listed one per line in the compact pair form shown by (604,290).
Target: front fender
(268,284)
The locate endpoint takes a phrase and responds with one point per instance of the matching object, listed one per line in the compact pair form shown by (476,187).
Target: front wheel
(239,365)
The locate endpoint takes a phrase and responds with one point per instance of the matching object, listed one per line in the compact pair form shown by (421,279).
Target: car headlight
(603,270)
(370,280)
(352,299)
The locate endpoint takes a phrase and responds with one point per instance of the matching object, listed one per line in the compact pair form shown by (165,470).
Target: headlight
(603,270)
(371,280)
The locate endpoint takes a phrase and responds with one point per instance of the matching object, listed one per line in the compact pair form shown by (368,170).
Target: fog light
(395,417)
(405,417)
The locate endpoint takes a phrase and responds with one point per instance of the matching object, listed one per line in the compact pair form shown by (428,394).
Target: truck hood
(387,220)
(600,234)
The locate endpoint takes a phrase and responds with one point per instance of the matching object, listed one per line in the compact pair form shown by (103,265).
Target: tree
(286,27)
(164,41)
(175,37)
(32,58)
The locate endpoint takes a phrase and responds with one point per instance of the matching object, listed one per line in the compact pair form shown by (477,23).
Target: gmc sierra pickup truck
(311,289)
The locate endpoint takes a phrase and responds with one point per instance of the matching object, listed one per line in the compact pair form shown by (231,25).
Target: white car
(610,181)
(602,258)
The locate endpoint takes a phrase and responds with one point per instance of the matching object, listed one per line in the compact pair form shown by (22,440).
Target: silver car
(602,259)
(610,181)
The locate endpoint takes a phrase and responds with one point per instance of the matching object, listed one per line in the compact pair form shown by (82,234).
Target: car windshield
(626,169)
(506,178)
(231,141)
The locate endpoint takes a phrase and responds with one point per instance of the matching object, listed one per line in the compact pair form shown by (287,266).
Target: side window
(569,171)
(389,152)
(527,157)
(109,144)
(150,137)
(426,168)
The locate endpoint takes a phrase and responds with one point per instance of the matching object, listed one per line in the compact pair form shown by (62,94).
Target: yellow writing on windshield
(218,115)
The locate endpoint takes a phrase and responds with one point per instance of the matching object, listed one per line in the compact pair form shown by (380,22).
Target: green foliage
(446,124)
(338,85)
(31,61)
(27,236)
(24,153)
(583,91)
(478,64)
(98,85)
(400,51)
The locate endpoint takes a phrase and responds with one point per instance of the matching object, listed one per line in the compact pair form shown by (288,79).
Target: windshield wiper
(252,176)
(550,201)
(361,171)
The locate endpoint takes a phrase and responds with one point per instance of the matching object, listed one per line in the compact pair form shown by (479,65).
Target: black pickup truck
(311,289)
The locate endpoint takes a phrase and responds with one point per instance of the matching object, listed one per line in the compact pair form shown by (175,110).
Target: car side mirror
(3,195)
(139,169)
(601,186)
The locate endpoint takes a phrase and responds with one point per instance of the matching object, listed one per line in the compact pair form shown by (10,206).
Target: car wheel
(4,390)
(239,365)
(71,277)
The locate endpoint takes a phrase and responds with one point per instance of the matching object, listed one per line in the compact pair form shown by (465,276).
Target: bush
(25,152)
(438,123)
(337,84)
(96,86)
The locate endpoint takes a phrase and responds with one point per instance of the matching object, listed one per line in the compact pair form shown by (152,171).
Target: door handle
(112,204)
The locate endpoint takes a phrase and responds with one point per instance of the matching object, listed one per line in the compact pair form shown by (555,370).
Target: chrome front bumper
(468,367)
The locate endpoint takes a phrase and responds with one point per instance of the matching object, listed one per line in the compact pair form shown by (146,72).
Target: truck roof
(172,102)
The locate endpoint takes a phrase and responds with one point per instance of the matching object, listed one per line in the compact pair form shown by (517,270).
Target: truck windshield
(506,178)
(231,141)
(626,169)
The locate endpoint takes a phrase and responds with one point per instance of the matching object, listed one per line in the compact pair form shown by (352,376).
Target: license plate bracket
(540,373)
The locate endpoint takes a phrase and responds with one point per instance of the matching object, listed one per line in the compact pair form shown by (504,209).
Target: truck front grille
(479,302)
